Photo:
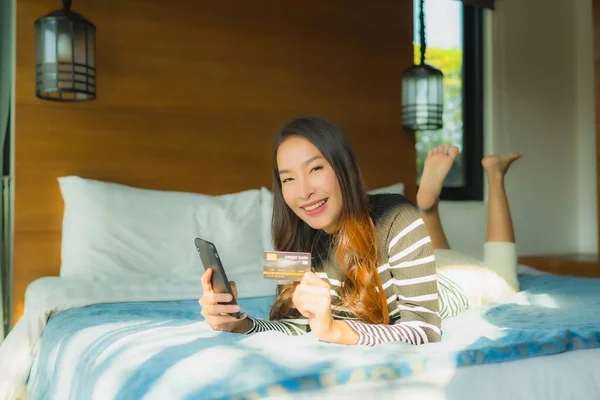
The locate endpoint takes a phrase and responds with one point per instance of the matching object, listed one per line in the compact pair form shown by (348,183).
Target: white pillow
(266,201)
(117,231)
(266,207)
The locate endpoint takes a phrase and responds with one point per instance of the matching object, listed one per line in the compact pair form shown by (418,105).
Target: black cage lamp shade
(422,98)
(422,91)
(65,56)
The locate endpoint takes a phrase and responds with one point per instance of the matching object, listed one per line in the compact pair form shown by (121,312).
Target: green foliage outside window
(449,61)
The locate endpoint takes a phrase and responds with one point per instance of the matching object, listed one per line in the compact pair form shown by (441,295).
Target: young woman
(373,278)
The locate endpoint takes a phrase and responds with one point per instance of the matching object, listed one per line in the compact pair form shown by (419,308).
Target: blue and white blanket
(134,349)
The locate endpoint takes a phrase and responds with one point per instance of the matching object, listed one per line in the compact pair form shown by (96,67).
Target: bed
(147,340)
(122,321)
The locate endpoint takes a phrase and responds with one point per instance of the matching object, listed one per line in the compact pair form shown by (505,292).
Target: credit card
(285,265)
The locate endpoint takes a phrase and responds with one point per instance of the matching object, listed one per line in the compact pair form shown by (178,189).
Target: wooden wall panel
(190,94)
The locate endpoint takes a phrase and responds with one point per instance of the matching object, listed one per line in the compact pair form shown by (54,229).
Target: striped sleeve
(411,289)
(294,324)
(292,327)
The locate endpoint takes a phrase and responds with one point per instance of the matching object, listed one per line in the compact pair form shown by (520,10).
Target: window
(454,38)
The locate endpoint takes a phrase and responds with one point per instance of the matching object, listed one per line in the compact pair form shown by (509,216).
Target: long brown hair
(355,240)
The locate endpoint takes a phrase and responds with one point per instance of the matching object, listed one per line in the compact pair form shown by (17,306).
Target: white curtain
(7,28)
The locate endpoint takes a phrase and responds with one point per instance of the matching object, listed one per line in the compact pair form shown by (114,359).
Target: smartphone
(210,259)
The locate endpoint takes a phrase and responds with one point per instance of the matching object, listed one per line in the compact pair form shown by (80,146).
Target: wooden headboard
(190,94)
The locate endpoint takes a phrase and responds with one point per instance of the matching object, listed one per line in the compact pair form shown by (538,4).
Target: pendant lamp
(422,90)
(65,53)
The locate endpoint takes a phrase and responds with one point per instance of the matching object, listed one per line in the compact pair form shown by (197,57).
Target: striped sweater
(407,273)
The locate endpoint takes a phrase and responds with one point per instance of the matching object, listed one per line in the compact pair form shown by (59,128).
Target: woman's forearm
(342,333)
(244,326)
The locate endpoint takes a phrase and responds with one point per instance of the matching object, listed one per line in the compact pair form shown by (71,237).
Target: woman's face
(309,184)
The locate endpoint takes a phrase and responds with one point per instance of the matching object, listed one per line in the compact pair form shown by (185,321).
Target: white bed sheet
(50,295)
(574,375)
(569,375)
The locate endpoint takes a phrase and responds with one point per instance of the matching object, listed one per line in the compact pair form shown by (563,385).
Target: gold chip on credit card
(285,265)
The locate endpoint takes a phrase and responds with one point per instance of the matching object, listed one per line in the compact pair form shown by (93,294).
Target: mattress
(542,344)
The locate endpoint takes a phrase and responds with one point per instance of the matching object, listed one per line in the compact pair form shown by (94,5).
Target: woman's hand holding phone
(217,315)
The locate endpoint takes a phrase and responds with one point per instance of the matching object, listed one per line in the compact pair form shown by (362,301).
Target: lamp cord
(67,5)
(422,30)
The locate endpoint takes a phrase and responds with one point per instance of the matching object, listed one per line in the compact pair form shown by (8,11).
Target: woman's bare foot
(498,164)
(436,167)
